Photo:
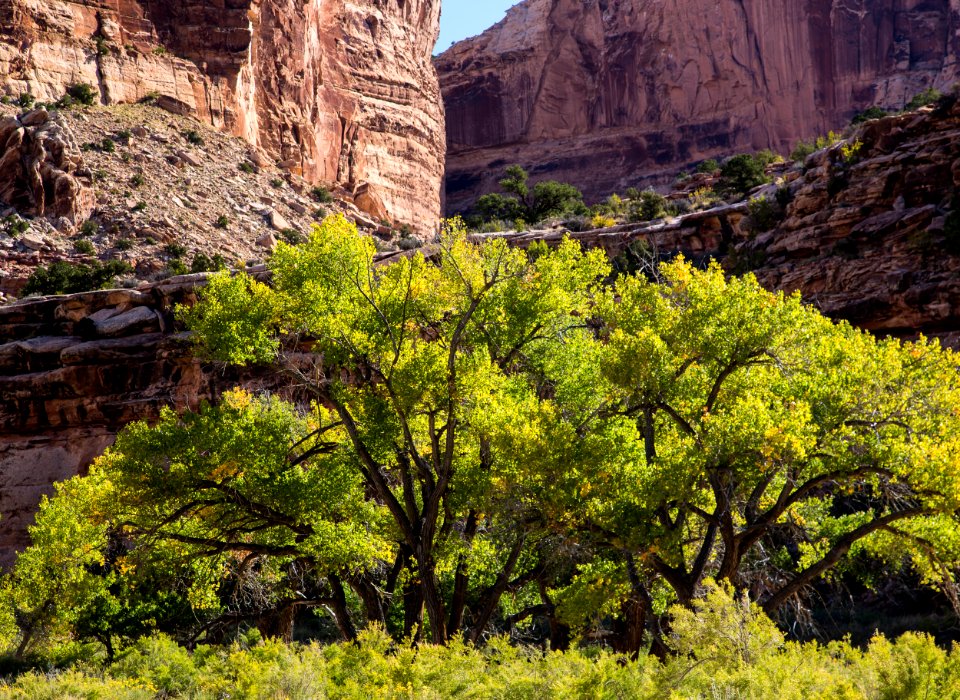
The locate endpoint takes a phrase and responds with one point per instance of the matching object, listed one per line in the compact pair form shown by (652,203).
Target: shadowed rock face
(339,92)
(607,93)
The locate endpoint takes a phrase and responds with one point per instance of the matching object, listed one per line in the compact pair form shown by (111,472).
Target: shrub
(175,250)
(89,228)
(703,198)
(63,277)
(193,137)
(850,151)
(320,213)
(708,166)
(632,193)
(321,194)
(107,145)
(124,244)
(140,206)
(203,263)
(602,221)
(651,205)
(177,267)
(84,247)
(493,207)
(83,93)
(291,236)
(159,50)
(25,100)
(869,114)
(927,97)
(222,221)
(247,167)
(16,226)
(802,150)
(552,198)
(124,135)
(767,157)
(764,214)
(137,180)
(277,182)
(741,174)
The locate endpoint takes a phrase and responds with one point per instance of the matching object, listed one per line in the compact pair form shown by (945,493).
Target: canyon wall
(607,94)
(340,92)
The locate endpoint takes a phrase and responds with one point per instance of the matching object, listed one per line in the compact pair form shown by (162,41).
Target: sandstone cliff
(606,93)
(341,92)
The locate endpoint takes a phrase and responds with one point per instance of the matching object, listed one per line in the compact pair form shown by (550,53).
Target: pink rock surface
(342,92)
(609,94)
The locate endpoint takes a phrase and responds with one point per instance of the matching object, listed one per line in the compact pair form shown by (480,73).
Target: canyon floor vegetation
(493,452)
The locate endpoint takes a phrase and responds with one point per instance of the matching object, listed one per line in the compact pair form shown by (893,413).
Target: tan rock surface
(342,93)
(608,94)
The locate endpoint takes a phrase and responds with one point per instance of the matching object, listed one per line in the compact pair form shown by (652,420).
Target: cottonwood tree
(495,435)
(754,441)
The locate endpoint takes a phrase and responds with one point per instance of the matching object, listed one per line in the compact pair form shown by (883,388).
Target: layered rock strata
(75,369)
(341,92)
(607,94)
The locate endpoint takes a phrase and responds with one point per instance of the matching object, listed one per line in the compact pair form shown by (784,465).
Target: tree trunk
(341,614)
(412,611)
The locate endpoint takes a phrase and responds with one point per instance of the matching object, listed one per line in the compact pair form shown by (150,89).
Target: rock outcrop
(607,94)
(75,369)
(343,93)
(40,165)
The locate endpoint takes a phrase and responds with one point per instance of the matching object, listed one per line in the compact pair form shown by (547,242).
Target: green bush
(204,263)
(869,114)
(742,173)
(223,221)
(802,150)
(15,226)
(84,247)
(83,93)
(175,250)
(927,97)
(108,146)
(723,648)
(764,214)
(63,277)
(708,166)
(321,194)
(193,137)
(89,228)
(651,205)
(291,236)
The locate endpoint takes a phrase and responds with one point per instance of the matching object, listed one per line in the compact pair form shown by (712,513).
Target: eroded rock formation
(608,93)
(75,369)
(39,168)
(341,92)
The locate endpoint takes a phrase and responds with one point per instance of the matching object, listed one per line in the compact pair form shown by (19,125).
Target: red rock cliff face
(604,93)
(341,92)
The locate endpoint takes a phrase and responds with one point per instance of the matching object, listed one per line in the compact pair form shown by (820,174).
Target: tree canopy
(500,436)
